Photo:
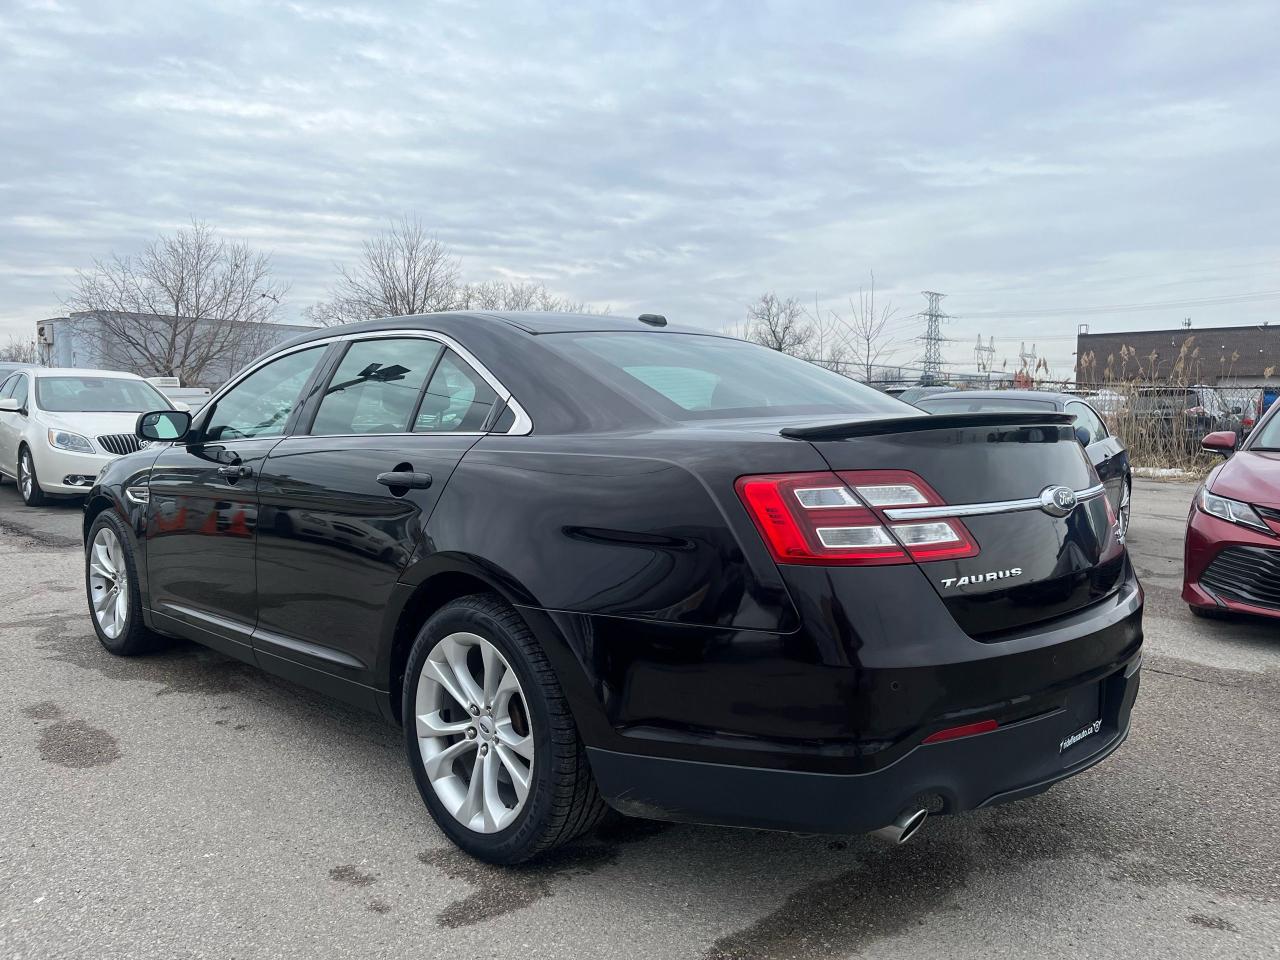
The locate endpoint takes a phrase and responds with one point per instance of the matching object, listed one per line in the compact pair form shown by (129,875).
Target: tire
(1126,509)
(32,495)
(124,634)
(561,801)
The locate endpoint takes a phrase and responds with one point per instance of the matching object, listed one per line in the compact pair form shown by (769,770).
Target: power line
(1259,296)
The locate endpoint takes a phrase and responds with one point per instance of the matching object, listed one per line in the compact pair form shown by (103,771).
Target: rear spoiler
(925,421)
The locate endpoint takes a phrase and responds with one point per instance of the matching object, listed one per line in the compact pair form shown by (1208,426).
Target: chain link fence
(1161,422)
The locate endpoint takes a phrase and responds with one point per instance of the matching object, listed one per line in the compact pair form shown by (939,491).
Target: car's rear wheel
(28,481)
(111,583)
(490,738)
(1126,496)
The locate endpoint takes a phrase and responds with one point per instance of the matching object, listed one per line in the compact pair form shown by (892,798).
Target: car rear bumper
(1009,763)
(824,729)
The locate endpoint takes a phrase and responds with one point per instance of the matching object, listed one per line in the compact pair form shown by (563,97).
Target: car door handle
(234,471)
(405,478)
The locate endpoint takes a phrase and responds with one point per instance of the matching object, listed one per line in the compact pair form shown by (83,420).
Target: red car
(1233,534)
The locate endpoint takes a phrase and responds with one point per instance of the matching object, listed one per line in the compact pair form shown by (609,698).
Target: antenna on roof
(653,319)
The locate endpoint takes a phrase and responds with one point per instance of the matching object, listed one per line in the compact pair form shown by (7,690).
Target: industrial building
(1218,356)
(99,339)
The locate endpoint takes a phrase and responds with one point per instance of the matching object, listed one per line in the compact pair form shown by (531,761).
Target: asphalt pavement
(183,805)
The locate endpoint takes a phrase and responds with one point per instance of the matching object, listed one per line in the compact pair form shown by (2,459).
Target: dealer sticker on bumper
(1071,741)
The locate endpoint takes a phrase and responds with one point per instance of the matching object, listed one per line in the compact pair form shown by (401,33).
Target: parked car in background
(593,561)
(913,394)
(59,427)
(184,398)
(1184,414)
(1106,451)
(1107,402)
(1232,549)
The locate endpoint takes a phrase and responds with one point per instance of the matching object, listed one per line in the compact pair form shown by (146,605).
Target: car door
(9,429)
(1104,450)
(204,505)
(343,503)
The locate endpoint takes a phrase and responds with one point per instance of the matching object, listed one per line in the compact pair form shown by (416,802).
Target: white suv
(58,428)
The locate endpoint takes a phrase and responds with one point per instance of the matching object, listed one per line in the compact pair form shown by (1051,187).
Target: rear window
(951,404)
(692,377)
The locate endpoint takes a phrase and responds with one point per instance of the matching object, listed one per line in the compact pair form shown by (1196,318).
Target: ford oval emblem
(1057,501)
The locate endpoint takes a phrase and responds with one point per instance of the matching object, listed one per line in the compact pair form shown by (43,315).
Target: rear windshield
(97,395)
(692,377)
(952,404)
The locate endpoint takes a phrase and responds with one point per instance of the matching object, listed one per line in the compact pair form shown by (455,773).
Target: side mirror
(1223,443)
(1083,436)
(166,425)
(9,405)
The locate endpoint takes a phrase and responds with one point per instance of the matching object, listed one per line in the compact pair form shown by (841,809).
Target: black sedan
(593,562)
(1106,451)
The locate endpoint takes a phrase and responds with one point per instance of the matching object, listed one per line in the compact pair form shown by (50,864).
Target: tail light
(838,518)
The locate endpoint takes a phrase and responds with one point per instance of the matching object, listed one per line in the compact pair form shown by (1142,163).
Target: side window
(1085,417)
(261,403)
(6,388)
(20,390)
(457,399)
(376,387)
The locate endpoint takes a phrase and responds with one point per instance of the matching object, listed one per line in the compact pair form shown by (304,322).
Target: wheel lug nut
(484,749)
(471,733)
(475,711)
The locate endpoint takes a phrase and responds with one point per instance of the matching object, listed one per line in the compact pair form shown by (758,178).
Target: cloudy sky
(1044,164)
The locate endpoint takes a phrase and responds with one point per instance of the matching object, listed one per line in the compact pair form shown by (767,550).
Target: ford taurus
(594,563)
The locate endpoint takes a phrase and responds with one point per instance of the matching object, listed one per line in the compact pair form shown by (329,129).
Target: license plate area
(1082,718)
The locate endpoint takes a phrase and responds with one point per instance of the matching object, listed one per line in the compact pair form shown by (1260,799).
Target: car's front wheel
(489,736)
(111,583)
(28,481)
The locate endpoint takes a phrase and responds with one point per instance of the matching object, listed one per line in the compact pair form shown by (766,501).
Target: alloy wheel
(1125,496)
(26,469)
(474,732)
(108,583)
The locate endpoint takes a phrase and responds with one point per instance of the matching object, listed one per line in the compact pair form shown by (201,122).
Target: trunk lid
(990,470)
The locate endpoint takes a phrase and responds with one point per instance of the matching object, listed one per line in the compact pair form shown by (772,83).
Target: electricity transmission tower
(984,354)
(933,338)
(1028,358)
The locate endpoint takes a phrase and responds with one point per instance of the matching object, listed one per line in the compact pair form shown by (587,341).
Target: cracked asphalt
(183,805)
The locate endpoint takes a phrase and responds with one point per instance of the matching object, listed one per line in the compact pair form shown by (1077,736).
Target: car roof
(530,322)
(1041,395)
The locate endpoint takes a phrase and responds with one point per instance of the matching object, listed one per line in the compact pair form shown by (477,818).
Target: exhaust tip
(904,827)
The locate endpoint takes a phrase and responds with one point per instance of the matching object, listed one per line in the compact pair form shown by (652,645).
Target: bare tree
(786,326)
(869,330)
(829,338)
(188,300)
(403,270)
(780,325)
(20,351)
(514,295)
